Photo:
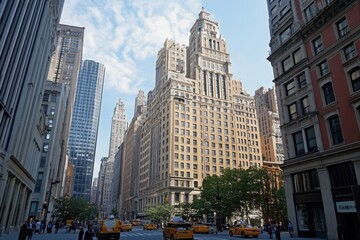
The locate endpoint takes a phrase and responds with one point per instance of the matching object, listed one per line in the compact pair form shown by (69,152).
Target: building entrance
(348,227)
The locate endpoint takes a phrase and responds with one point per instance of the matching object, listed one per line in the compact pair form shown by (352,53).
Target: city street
(139,234)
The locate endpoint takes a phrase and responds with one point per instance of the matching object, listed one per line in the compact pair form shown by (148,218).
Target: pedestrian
(43,226)
(23,232)
(57,226)
(38,227)
(270,231)
(278,232)
(29,232)
(290,228)
(89,233)
(81,234)
(49,227)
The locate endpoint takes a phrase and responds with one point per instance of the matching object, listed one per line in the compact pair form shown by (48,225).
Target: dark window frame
(318,45)
(335,130)
(323,68)
(301,79)
(293,113)
(306,181)
(290,87)
(355,78)
(349,51)
(328,91)
(305,109)
(299,143)
(342,175)
(311,139)
(342,27)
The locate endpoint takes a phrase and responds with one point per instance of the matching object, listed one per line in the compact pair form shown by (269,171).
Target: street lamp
(46,205)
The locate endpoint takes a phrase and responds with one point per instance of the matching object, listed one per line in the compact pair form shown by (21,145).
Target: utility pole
(47,204)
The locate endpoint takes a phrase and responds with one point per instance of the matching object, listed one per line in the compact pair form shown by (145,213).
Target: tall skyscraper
(100,188)
(314,54)
(28,34)
(57,105)
(84,126)
(200,120)
(269,125)
(130,161)
(118,128)
(140,100)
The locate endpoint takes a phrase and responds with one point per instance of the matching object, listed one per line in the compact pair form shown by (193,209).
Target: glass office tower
(84,126)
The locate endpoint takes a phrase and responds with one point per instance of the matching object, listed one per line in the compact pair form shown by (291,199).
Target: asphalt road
(139,234)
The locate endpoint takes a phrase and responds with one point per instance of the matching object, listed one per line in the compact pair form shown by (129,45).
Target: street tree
(159,213)
(68,208)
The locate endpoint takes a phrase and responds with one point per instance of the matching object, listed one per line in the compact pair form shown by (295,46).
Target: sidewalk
(61,235)
(286,236)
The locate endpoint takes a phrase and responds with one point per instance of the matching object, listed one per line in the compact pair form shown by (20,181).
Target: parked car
(244,230)
(212,228)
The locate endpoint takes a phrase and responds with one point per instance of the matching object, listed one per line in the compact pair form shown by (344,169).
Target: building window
(323,68)
(318,45)
(328,91)
(311,139)
(299,143)
(285,35)
(46,97)
(53,98)
(38,182)
(290,88)
(342,175)
(301,79)
(47,136)
(335,129)
(283,11)
(177,197)
(306,181)
(342,27)
(310,12)
(355,78)
(297,55)
(349,51)
(42,161)
(46,147)
(273,11)
(287,63)
(305,105)
(292,111)
(52,111)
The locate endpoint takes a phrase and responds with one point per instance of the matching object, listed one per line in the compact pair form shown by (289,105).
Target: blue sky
(126,35)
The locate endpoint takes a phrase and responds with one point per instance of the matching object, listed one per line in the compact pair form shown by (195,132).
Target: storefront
(310,215)
(346,200)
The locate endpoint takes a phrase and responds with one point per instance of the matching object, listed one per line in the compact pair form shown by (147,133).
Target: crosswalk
(140,234)
(144,234)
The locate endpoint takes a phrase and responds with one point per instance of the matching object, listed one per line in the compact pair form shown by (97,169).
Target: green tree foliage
(242,191)
(74,208)
(160,212)
(185,210)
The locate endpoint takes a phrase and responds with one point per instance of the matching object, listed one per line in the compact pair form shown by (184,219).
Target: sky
(126,35)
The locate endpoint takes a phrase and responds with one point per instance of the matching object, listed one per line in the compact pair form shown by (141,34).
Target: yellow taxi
(126,226)
(135,222)
(244,230)
(200,227)
(178,230)
(150,226)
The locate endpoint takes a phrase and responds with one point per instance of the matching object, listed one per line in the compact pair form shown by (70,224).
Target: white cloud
(124,34)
